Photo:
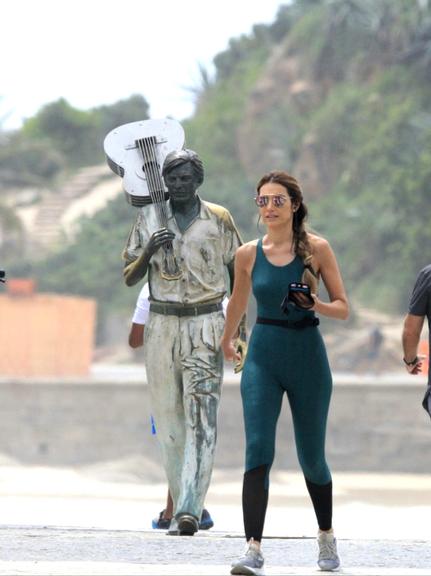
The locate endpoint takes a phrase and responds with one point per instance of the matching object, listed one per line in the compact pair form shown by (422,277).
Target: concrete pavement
(74,551)
(77,522)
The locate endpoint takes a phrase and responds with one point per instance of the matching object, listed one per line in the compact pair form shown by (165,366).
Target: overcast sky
(94,52)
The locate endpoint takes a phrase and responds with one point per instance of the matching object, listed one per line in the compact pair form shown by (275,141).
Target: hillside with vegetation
(338,92)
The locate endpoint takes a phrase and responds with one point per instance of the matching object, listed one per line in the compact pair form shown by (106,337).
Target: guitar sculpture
(136,152)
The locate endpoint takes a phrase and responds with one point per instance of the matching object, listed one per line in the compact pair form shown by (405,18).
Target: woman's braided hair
(301,243)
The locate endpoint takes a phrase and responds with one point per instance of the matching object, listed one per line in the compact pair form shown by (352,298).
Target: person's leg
(309,399)
(202,371)
(262,399)
(309,413)
(163,520)
(169,510)
(309,395)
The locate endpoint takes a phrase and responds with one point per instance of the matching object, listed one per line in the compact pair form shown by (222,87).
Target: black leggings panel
(321,496)
(255,501)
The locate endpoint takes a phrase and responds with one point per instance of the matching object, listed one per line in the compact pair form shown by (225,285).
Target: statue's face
(181,183)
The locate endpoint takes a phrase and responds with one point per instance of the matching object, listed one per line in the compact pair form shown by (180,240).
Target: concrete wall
(371,427)
(46,335)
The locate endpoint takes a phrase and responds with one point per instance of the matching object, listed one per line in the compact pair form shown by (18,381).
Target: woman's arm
(326,263)
(238,301)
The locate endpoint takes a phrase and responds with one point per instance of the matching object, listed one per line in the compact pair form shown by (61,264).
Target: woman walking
(286,354)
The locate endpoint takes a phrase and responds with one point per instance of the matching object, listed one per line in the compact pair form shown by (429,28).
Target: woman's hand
(229,351)
(303,301)
(316,303)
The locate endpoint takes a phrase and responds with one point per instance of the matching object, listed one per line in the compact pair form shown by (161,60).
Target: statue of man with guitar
(185,245)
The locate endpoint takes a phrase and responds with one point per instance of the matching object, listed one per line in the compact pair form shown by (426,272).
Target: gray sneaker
(328,556)
(250,563)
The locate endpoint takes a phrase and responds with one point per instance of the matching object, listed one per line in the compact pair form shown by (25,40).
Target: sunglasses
(277,201)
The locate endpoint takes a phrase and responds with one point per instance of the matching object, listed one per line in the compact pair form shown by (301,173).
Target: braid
(302,247)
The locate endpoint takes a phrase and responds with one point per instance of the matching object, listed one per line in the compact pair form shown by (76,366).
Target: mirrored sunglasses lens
(261,201)
(279,201)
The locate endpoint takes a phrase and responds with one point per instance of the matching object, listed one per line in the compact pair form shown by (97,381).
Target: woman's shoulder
(321,251)
(247,252)
(249,247)
(317,243)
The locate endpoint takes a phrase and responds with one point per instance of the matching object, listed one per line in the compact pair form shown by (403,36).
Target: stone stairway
(47,231)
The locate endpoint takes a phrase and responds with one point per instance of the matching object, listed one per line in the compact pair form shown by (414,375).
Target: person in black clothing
(419,308)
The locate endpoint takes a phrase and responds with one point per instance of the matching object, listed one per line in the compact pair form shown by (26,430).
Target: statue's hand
(158,238)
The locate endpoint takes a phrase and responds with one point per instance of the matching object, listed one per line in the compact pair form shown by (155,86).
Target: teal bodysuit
(283,360)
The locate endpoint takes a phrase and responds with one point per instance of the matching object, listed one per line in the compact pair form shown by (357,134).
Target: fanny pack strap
(294,325)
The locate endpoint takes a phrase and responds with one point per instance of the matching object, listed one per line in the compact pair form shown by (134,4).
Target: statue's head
(180,157)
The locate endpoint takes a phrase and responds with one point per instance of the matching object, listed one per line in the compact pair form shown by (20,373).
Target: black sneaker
(160,523)
(206,521)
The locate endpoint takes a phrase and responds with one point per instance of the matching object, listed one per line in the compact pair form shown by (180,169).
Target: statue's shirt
(202,252)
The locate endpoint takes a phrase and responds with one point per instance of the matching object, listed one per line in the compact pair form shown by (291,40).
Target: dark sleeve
(419,299)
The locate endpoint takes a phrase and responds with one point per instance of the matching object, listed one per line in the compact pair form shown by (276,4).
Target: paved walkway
(82,522)
(74,551)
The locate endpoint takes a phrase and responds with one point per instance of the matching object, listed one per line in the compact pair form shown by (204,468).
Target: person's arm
(413,322)
(338,306)
(410,338)
(140,318)
(238,301)
(136,335)
(240,342)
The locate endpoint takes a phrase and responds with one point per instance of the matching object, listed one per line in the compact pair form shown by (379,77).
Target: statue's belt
(185,309)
